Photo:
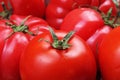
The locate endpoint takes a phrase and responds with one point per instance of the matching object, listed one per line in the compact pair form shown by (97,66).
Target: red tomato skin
(109,59)
(35,24)
(106,5)
(4,34)
(87,2)
(12,50)
(28,7)
(95,40)
(57,10)
(84,21)
(42,62)
(12,46)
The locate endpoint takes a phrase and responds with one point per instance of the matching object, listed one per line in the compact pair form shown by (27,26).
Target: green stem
(21,28)
(5,14)
(60,44)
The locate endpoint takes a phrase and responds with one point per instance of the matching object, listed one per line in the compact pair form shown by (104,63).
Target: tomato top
(42,61)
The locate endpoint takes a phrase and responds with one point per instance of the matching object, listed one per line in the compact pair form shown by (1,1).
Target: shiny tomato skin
(28,7)
(2,42)
(106,5)
(35,24)
(57,10)
(43,62)
(12,45)
(11,54)
(109,59)
(95,40)
(84,21)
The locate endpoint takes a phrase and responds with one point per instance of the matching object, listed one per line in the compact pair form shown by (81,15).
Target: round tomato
(13,41)
(84,21)
(57,10)
(109,55)
(57,59)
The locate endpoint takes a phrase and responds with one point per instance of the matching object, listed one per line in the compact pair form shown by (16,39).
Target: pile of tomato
(59,40)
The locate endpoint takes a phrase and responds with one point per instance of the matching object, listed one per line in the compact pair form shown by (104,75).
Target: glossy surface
(43,62)
(84,21)
(109,56)
(106,5)
(95,40)
(57,10)
(13,45)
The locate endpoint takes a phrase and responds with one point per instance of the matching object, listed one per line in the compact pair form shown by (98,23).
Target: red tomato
(13,42)
(109,58)
(84,21)
(35,24)
(28,7)
(87,2)
(43,61)
(57,10)
(106,5)
(95,40)
(103,5)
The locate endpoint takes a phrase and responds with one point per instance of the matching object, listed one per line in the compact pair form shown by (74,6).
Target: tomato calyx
(63,43)
(109,19)
(20,28)
(5,14)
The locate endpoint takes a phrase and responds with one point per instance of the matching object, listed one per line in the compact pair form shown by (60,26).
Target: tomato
(13,41)
(102,5)
(28,7)
(106,5)
(35,24)
(89,25)
(95,40)
(57,10)
(87,2)
(68,59)
(84,21)
(109,59)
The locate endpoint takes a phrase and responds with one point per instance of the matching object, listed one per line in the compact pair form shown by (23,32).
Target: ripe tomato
(109,59)
(95,40)
(102,5)
(42,60)
(87,2)
(106,5)
(84,21)
(13,42)
(57,10)
(28,7)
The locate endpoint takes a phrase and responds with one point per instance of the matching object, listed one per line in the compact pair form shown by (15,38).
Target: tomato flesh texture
(42,62)
(109,55)
(84,21)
